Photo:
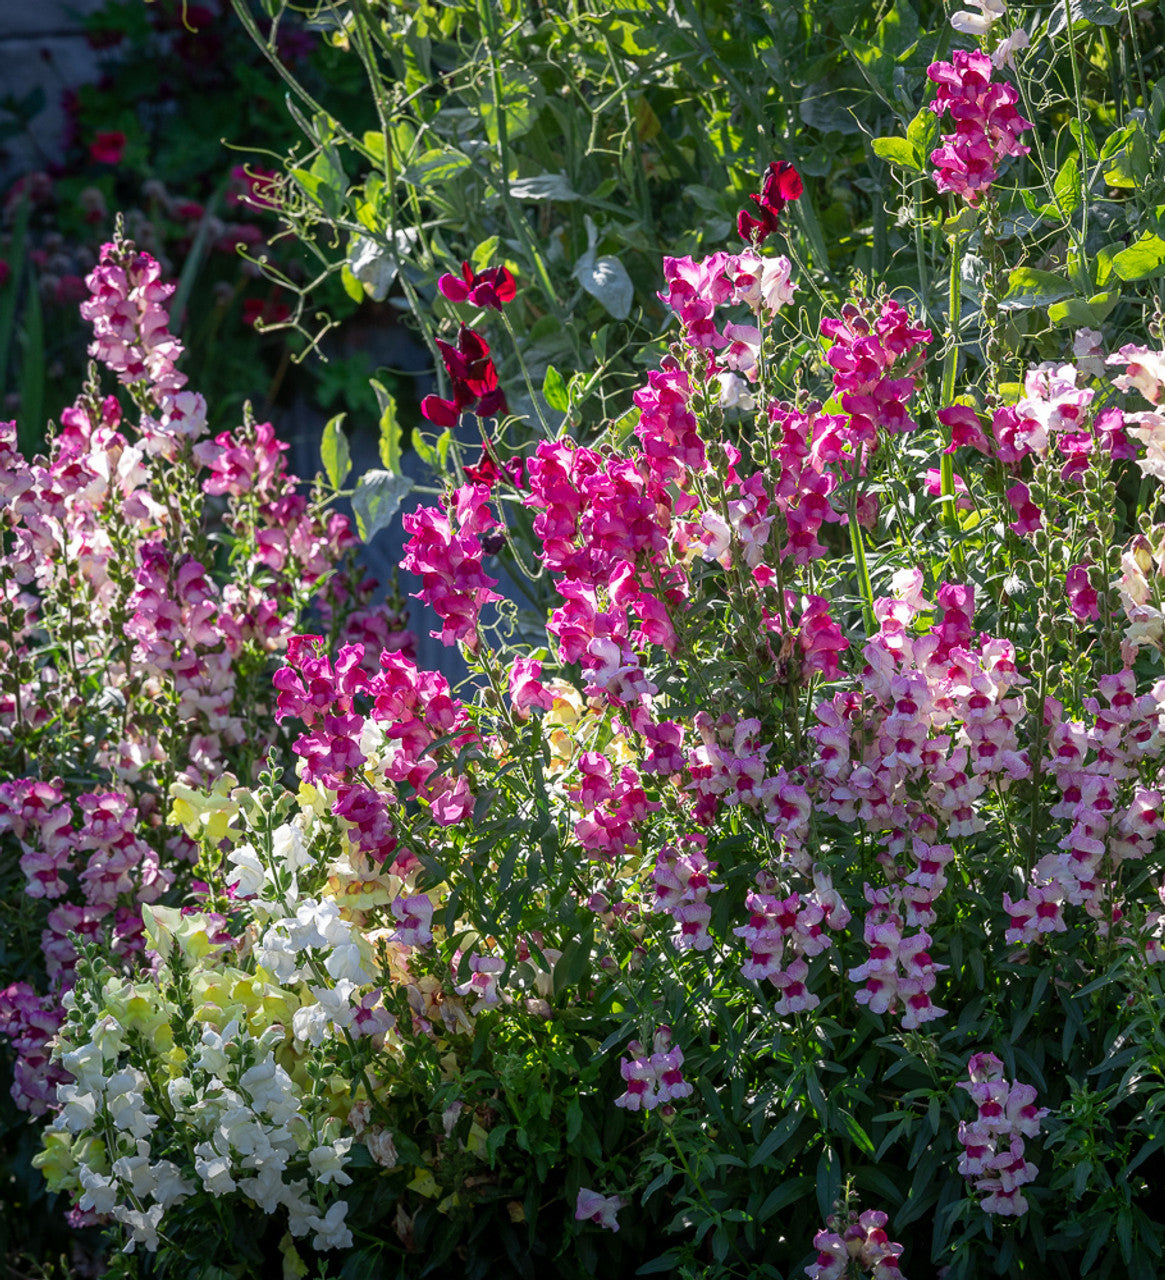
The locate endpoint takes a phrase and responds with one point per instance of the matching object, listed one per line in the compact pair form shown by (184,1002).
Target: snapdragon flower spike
(130,324)
(682,887)
(993,1159)
(865,349)
(492,288)
(781,185)
(987,124)
(474,379)
(445,548)
(656,1079)
(863,1242)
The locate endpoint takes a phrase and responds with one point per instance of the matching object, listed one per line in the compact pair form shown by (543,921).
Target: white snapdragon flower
(1003,55)
(327,1162)
(289,847)
(347,962)
(266,1188)
(127,1104)
(213,1169)
(87,1066)
(331,1233)
(179,1091)
(310,1023)
(978,24)
(271,1089)
(136,1171)
(78,1108)
(249,875)
(333,1006)
(100,1192)
(734,392)
(238,1129)
(170,1187)
(212,1055)
(143,1223)
(300,1209)
(278,953)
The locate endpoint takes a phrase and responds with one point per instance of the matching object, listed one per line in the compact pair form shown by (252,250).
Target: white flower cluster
(274,881)
(292,950)
(244,1114)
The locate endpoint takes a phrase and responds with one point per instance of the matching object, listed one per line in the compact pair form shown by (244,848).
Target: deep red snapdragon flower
(782,184)
(108,147)
(474,378)
(490,288)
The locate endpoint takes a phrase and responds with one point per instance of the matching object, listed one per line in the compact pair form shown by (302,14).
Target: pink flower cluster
(1114,817)
(410,710)
(605,526)
(993,1157)
(936,729)
(899,969)
(682,887)
(782,934)
(866,349)
(131,328)
(654,1079)
(819,637)
(696,289)
(863,1245)
(1054,413)
(114,870)
(445,548)
(987,124)
(101,530)
(612,807)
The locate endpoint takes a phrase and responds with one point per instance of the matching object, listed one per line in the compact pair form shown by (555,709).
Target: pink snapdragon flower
(601,1210)
(987,124)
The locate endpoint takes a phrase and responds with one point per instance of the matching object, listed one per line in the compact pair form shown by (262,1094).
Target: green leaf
(573,963)
(1067,186)
(520,100)
(854,1131)
(922,134)
(1029,288)
(828,1181)
(1140,260)
(375,502)
(574,1120)
(390,430)
(435,168)
(787,1193)
(484,254)
(554,390)
(547,186)
(334,451)
(1081,312)
(1127,157)
(776,1138)
(374,141)
(897,151)
(352,287)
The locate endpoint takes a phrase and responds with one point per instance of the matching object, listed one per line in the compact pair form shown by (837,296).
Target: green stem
(863,571)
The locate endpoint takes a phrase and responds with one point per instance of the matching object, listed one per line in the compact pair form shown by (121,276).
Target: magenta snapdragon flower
(987,124)
(493,287)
